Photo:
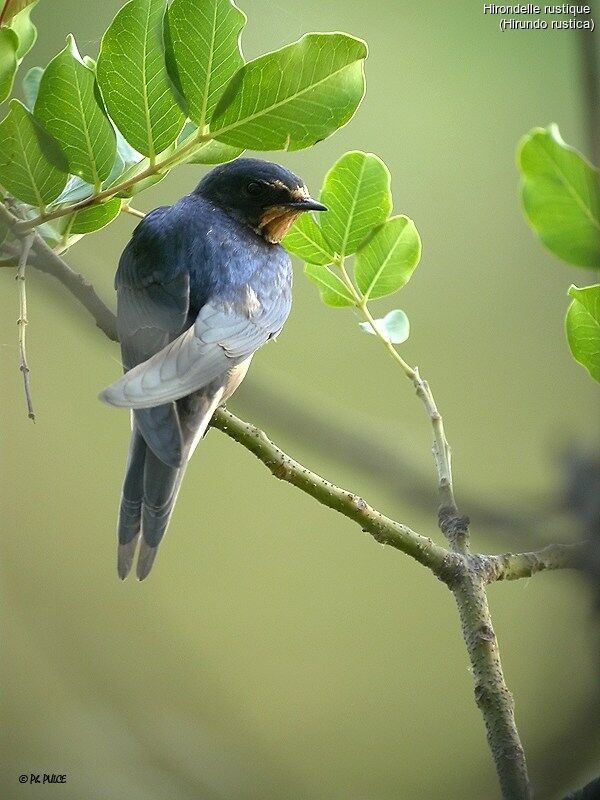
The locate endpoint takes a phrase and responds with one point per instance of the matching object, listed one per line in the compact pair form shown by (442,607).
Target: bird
(201,285)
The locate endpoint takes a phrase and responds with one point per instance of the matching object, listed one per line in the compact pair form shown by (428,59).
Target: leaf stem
(406,368)
(127,209)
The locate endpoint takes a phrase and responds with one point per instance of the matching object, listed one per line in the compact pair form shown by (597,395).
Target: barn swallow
(201,285)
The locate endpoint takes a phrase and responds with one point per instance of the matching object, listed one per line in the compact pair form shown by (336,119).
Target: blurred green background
(275,651)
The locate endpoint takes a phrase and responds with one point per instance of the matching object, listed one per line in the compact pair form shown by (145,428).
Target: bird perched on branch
(201,285)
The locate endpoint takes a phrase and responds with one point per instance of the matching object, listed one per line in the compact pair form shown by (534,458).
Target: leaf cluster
(386,249)
(170,85)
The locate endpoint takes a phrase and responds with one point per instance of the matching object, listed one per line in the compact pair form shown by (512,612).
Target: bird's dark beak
(307,204)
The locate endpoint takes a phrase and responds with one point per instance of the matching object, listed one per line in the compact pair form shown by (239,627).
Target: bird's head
(261,194)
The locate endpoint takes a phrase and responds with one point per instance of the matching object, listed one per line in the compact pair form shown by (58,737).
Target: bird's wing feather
(152,310)
(224,335)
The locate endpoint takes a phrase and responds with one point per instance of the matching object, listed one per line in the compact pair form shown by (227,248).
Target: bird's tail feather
(151,486)
(130,511)
(149,493)
(161,487)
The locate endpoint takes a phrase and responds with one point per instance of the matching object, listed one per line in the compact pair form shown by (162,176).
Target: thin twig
(135,212)
(512,566)
(26,244)
(453,525)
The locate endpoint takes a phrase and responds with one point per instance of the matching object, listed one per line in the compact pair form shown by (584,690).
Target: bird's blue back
(220,254)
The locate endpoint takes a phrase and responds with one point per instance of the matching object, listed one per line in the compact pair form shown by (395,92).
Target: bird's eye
(254,188)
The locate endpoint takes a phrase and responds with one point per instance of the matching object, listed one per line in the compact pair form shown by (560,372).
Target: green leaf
(69,108)
(9,45)
(306,241)
(133,78)
(12,7)
(25,29)
(127,162)
(32,166)
(203,52)
(65,231)
(394,327)
(358,198)
(561,196)
(125,159)
(214,152)
(95,216)
(75,190)
(31,85)
(211,152)
(294,97)
(388,259)
(334,291)
(583,327)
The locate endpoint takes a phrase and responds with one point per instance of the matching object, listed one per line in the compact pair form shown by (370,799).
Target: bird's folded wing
(150,316)
(223,336)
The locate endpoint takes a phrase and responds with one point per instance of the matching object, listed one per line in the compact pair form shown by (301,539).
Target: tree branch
(466,575)
(492,696)
(282,466)
(44,259)
(512,566)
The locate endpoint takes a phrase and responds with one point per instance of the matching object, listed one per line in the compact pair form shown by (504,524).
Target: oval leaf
(9,45)
(357,194)
(388,259)
(583,328)
(95,217)
(203,52)
(211,152)
(133,78)
(394,327)
(70,109)
(32,166)
(306,241)
(561,197)
(334,291)
(214,152)
(294,97)
(22,25)
(31,86)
